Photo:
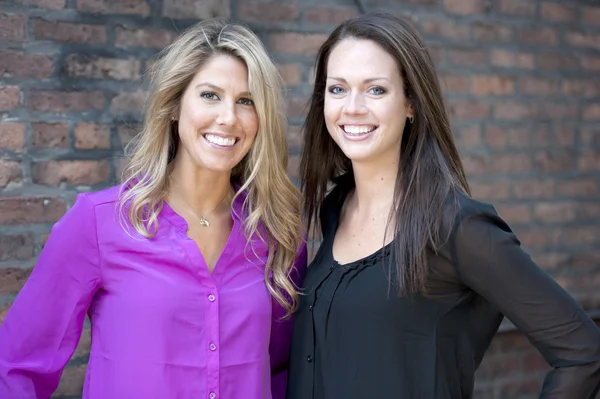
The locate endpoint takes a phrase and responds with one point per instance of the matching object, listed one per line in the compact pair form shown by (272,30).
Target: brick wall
(520,77)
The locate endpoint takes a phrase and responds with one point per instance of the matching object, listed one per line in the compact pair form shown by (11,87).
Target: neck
(374,186)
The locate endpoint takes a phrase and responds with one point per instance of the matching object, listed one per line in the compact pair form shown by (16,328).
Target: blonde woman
(188,268)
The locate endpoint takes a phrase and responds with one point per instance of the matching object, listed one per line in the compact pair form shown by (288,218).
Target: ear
(410,111)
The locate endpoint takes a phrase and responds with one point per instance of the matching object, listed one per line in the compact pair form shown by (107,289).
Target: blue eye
(377,90)
(246,101)
(335,90)
(209,95)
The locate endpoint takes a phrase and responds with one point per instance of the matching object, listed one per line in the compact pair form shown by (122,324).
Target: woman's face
(365,104)
(217,119)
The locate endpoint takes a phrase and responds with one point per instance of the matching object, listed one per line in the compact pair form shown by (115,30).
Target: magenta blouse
(162,326)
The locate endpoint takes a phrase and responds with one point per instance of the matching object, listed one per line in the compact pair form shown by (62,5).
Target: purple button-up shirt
(163,326)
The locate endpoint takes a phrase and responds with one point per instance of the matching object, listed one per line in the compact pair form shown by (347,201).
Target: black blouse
(355,338)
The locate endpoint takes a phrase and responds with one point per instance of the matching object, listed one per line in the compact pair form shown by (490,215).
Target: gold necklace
(203,220)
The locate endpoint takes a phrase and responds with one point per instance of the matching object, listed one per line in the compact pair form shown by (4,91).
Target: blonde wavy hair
(272,202)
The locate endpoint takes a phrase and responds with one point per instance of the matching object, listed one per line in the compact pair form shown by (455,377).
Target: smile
(220,141)
(358,132)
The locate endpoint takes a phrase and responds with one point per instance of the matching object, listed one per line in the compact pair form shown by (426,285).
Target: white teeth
(358,129)
(222,141)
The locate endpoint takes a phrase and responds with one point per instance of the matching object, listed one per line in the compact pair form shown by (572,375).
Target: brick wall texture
(521,78)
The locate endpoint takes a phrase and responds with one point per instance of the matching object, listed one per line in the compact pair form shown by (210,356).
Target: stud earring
(411,119)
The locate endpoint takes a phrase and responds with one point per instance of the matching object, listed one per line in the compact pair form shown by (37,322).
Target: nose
(355,104)
(227,115)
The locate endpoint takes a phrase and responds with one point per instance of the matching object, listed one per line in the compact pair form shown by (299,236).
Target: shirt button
(212,298)
(310,308)
(212,347)
(309,359)
(212,395)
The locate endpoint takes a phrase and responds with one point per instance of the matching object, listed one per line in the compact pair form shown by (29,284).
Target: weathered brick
(534,86)
(10,172)
(590,15)
(92,136)
(592,63)
(10,97)
(453,83)
(580,235)
(585,88)
(510,163)
(63,101)
(592,112)
(295,43)
(23,65)
(49,135)
(12,27)
(559,111)
(293,168)
(134,37)
(558,12)
(52,173)
(291,73)
(589,136)
(294,136)
(297,107)
(553,61)
(555,161)
(515,111)
(329,15)
(579,187)
(50,4)
(134,7)
(12,279)
(523,8)
(69,32)
(514,213)
(590,160)
(546,36)
(488,32)
(491,191)
(474,164)
(267,12)
(192,9)
(468,109)
(584,39)
(555,211)
(12,136)
(71,381)
(19,246)
(464,7)
(482,85)
(126,133)
(565,135)
(512,59)
(466,57)
(87,66)
(21,210)
(496,137)
(469,136)
(129,102)
(444,29)
(532,189)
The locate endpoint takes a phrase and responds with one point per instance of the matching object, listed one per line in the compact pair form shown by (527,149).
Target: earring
(411,119)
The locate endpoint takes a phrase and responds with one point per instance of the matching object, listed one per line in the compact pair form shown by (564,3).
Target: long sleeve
(43,326)
(281,333)
(490,261)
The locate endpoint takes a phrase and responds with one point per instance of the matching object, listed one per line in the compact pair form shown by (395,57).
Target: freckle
(382,179)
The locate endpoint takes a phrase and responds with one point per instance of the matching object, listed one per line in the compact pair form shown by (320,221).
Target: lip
(357,137)
(217,146)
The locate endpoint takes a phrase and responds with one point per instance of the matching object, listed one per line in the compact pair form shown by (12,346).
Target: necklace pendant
(204,222)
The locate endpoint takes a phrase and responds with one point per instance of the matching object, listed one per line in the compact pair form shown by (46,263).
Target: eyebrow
(217,88)
(364,81)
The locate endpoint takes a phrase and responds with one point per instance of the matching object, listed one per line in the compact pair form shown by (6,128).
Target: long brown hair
(430,170)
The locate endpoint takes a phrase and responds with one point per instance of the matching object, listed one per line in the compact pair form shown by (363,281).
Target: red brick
(533,86)
(19,246)
(129,101)
(541,135)
(464,7)
(590,15)
(496,137)
(294,136)
(22,65)
(71,381)
(558,12)
(588,210)
(120,165)
(267,12)
(126,133)
(553,61)
(437,53)
(515,111)
(193,9)
(133,37)
(12,27)
(49,135)
(531,189)
(296,107)
(580,235)
(21,210)
(510,163)
(490,32)
(466,57)
(586,88)
(293,167)
(84,66)
(592,112)
(468,109)
(559,111)
(512,59)
(518,137)
(74,173)
(491,191)
(469,136)
(517,388)
(581,187)
(592,63)
(329,15)
(565,135)
(538,35)
(501,366)
(589,136)
(590,160)
(524,8)
(69,32)
(483,85)
(453,83)
(584,39)
(134,7)
(90,136)
(10,97)
(443,28)
(555,211)
(532,238)
(50,4)
(63,101)
(552,260)
(291,73)
(10,172)
(514,213)
(12,279)
(295,43)
(474,164)
(12,136)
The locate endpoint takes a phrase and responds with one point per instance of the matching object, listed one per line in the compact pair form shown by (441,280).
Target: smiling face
(365,107)
(217,120)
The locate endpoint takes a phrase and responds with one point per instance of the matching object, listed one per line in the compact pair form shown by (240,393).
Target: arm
(490,261)
(281,333)
(43,326)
